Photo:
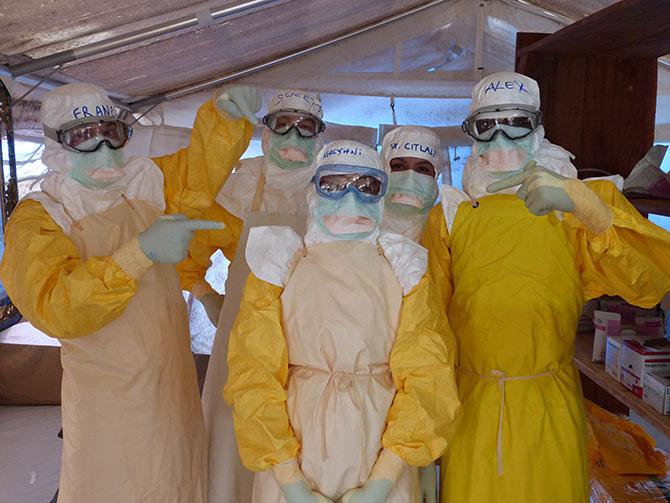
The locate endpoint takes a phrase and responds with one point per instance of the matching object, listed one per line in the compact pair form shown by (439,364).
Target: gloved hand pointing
(544,191)
(166,240)
(240,101)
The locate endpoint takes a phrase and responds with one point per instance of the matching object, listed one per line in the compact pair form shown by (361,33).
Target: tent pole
(112,43)
(9,193)
(479,42)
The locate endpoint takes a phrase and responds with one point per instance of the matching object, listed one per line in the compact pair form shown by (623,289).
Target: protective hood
(291,99)
(505,89)
(344,152)
(65,104)
(409,141)
(67,200)
(413,141)
(281,179)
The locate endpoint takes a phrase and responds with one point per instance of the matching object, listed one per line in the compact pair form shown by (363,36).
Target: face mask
(290,151)
(96,170)
(347,218)
(504,155)
(410,193)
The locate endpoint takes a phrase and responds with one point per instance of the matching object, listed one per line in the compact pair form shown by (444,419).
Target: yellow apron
(229,480)
(517,298)
(340,308)
(132,420)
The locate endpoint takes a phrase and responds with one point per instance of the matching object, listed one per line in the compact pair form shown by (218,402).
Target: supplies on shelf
(639,358)
(656,391)
(624,463)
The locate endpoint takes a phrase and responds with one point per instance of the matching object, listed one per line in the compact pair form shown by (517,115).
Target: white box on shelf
(613,350)
(639,358)
(613,356)
(606,324)
(656,391)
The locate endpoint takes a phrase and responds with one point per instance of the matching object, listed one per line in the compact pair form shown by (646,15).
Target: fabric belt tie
(501,378)
(341,381)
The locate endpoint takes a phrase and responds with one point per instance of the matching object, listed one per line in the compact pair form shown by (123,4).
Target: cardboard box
(607,324)
(640,358)
(613,351)
(656,391)
(649,326)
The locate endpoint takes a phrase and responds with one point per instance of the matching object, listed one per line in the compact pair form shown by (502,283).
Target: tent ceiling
(430,54)
(43,27)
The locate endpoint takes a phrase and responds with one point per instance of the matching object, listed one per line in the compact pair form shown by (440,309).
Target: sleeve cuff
(589,208)
(132,259)
(287,472)
(388,466)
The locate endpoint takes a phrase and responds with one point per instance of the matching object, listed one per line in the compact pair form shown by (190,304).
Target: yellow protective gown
(213,151)
(289,384)
(193,269)
(514,285)
(131,414)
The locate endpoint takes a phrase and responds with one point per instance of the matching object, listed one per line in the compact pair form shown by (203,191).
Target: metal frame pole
(9,193)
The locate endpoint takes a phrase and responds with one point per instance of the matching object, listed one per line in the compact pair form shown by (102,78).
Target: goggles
(282,121)
(514,123)
(334,181)
(76,135)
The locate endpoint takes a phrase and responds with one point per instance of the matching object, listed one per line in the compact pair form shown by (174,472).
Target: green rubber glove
(542,190)
(166,240)
(299,492)
(240,101)
(374,491)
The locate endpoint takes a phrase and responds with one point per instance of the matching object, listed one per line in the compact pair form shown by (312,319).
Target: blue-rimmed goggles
(334,181)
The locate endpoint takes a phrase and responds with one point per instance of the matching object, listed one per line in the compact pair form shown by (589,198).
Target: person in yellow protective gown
(266,190)
(88,260)
(338,349)
(514,270)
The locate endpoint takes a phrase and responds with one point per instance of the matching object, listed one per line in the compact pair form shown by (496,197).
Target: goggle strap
(51,133)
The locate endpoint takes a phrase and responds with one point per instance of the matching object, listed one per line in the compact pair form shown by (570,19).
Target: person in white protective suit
(414,155)
(338,349)
(89,260)
(266,190)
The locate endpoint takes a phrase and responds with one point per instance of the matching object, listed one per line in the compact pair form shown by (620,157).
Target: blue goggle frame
(334,169)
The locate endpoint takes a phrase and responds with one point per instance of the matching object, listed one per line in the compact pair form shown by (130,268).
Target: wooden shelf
(647,205)
(596,372)
(626,29)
